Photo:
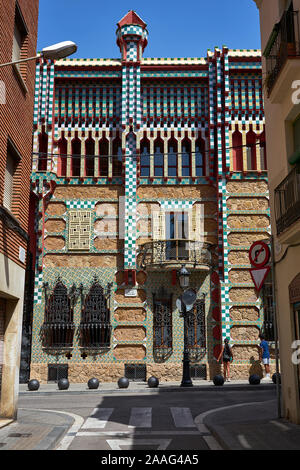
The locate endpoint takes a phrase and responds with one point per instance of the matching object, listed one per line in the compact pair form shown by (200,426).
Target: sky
(176,28)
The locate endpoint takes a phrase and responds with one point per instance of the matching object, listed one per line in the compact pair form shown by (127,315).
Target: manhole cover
(17,434)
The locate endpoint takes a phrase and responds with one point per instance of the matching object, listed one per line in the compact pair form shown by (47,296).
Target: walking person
(264,355)
(226,356)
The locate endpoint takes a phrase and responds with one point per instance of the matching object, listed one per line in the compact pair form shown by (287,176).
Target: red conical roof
(131,18)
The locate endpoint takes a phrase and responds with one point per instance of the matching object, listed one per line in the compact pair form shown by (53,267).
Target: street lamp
(184,277)
(186,381)
(54,52)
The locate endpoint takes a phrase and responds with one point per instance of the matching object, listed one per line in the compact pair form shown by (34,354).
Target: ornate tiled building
(142,165)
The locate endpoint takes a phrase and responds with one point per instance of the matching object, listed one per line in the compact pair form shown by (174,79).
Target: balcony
(287,205)
(171,254)
(283,45)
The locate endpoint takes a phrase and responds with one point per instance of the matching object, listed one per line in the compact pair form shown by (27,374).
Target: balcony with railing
(283,45)
(287,201)
(170,254)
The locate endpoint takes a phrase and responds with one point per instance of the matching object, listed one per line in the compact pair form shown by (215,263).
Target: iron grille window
(135,372)
(162,325)
(198,372)
(95,327)
(197,331)
(58,327)
(57,372)
(268,325)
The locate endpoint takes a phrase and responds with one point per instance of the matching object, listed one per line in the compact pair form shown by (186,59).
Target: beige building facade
(279,21)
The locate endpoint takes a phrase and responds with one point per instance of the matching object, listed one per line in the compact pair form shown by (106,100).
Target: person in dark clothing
(226,356)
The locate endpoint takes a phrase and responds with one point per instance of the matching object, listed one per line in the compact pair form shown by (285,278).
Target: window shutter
(158,225)
(8,181)
(196,223)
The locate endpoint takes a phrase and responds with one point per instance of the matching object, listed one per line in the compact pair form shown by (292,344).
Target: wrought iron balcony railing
(57,335)
(171,252)
(95,335)
(283,43)
(287,200)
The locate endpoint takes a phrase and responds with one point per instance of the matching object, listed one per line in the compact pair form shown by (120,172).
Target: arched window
(76,157)
(62,158)
(200,157)
(237,151)
(103,159)
(162,325)
(251,151)
(197,331)
(117,157)
(58,327)
(89,157)
(95,327)
(158,158)
(145,157)
(186,158)
(43,152)
(172,158)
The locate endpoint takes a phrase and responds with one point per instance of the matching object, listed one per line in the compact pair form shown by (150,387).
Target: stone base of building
(170,372)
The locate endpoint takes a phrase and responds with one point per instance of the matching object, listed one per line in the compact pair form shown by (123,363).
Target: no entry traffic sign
(259,254)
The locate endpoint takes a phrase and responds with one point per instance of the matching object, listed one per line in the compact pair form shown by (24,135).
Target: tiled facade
(163,135)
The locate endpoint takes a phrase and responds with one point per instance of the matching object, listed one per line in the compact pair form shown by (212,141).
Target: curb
(55,436)
(242,387)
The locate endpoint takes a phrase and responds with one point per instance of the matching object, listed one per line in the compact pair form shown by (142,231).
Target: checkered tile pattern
(131,51)
(80,204)
(38,284)
(169,204)
(130,203)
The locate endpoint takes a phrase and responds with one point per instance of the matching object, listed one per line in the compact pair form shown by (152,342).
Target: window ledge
(12,222)
(20,79)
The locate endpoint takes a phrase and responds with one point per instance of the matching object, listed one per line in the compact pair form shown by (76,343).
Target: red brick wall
(16,117)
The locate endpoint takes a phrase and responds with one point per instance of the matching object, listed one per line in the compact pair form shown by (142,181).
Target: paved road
(147,421)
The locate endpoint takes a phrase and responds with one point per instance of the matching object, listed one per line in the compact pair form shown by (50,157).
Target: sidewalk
(198,385)
(252,427)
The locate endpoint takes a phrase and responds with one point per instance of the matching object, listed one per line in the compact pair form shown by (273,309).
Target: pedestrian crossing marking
(141,418)
(182,417)
(98,418)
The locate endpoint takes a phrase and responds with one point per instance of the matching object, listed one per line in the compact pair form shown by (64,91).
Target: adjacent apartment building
(142,165)
(18,36)
(280,36)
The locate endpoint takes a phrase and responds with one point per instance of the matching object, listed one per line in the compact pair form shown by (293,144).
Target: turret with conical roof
(132,37)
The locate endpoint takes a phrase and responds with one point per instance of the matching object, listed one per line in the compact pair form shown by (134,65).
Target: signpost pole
(278,390)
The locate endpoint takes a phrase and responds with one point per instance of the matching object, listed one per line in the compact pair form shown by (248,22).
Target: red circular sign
(259,254)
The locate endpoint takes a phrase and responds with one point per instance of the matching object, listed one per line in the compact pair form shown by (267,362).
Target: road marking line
(140,418)
(243,441)
(139,433)
(161,443)
(182,417)
(98,419)
(212,443)
(280,425)
(199,420)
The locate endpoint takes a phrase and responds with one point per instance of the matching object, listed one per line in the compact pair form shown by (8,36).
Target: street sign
(259,254)
(259,276)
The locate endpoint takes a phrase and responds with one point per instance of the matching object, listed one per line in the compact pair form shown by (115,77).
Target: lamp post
(186,381)
(54,52)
